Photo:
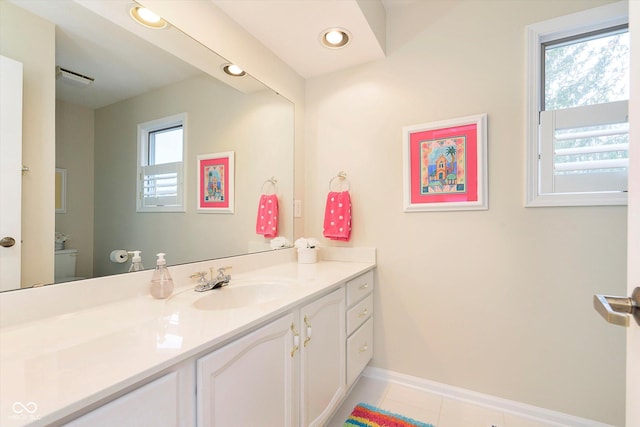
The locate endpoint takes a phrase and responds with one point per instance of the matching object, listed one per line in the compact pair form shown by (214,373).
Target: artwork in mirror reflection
(215,182)
(98,148)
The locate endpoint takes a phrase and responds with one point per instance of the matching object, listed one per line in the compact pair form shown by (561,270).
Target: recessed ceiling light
(335,38)
(146,17)
(233,70)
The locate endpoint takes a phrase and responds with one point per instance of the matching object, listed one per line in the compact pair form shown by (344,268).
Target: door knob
(7,242)
(615,309)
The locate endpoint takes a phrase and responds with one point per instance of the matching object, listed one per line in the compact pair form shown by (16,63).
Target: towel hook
(342,179)
(274,185)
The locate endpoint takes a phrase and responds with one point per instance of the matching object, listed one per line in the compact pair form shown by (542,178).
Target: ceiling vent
(72,77)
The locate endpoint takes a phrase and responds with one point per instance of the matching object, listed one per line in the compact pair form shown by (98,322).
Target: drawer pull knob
(363,313)
(364,348)
(365,286)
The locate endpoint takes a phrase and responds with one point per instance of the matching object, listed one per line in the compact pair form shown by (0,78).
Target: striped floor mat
(364,415)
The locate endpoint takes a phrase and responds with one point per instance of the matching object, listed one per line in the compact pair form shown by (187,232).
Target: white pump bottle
(136,262)
(161,282)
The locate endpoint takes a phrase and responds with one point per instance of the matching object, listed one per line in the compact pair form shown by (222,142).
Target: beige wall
(74,152)
(30,40)
(495,301)
(257,127)
(210,26)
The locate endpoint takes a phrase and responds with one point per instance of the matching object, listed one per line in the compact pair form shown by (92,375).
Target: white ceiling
(80,34)
(291,29)
(99,40)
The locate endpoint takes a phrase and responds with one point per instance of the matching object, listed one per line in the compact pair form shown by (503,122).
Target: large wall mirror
(141,75)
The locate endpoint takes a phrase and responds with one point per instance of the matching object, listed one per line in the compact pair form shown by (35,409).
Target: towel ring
(342,180)
(273,182)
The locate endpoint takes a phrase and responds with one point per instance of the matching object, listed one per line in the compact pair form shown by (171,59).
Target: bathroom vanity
(279,346)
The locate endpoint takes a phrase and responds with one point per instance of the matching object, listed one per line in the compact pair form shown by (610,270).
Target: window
(577,103)
(161,165)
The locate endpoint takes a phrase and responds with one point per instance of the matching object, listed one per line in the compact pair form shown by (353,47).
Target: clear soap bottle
(161,282)
(136,262)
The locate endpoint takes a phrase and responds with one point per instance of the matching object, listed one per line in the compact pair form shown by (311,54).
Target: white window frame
(599,18)
(147,205)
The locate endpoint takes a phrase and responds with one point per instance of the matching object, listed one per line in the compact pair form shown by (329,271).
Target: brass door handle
(7,242)
(615,309)
(308,325)
(296,340)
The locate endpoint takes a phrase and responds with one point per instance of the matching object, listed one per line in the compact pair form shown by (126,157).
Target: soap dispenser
(161,282)
(136,262)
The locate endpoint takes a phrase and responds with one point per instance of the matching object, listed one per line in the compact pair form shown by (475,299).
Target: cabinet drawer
(359,313)
(359,287)
(359,351)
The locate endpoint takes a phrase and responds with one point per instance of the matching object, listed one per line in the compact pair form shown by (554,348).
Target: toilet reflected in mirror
(65,265)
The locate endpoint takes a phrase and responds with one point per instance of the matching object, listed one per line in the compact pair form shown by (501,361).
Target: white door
(615,309)
(10,172)
(633,280)
(633,254)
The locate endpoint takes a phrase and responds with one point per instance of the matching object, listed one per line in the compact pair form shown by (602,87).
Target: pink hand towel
(337,216)
(267,221)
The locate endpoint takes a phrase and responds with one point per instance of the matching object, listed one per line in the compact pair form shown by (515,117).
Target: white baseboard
(534,413)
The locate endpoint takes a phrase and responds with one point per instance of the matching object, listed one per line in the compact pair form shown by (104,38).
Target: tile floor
(426,407)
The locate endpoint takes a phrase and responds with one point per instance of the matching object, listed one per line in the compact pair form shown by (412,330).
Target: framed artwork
(215,182)
(445,165)
(61,190)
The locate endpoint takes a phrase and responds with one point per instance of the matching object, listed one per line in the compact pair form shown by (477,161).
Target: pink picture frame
(445,165)
(216,182)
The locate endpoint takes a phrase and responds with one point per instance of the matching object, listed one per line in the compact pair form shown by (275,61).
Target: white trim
(143,130)
(11,86)
(564,26)
(523,410)
(586,21)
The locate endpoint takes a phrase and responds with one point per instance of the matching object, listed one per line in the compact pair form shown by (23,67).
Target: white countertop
(63,363)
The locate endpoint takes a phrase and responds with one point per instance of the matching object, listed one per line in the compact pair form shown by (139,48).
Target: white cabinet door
(322,365)
(10,172)
(250,382)
(154,404)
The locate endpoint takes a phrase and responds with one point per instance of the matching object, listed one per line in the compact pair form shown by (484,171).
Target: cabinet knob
(365,286)
(364,348)
(363,313)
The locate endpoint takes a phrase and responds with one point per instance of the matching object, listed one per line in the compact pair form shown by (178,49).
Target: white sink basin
(243,294)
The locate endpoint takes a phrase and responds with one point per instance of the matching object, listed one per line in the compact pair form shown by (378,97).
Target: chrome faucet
(219,281)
